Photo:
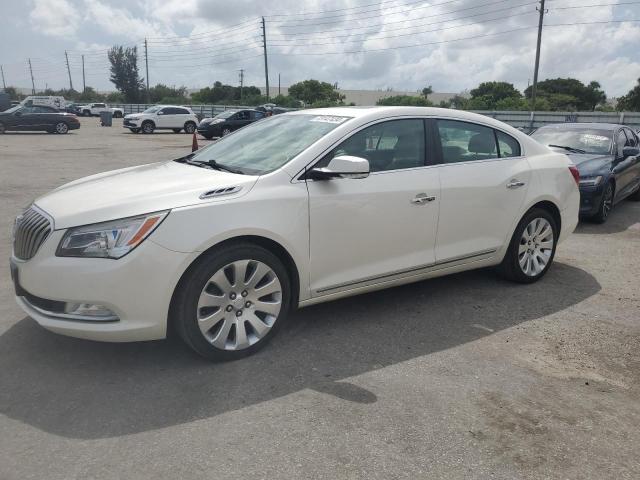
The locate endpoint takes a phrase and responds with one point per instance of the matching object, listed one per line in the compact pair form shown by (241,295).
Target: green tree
(488,95)
(13,93)
(569,94)
(405,101)
(426,91)
(168,95)
(229,95)
(312,92)
(124,72)
(630,101)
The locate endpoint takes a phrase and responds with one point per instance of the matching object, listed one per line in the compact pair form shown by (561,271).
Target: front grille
(31,230)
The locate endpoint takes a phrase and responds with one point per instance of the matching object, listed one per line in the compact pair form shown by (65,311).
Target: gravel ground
(460,377)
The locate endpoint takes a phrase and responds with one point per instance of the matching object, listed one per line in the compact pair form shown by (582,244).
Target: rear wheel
(148,127)
(2,128)
(233,301)
(86,113)
(117,115)
(207,136)
(189,127)
(606,204)
(636,195)
(532,248)
(177,130)
(61,128)
(134,130)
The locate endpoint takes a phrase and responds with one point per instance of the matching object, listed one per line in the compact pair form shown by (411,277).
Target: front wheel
(117,115)
(148,127)
(2,128)
(606,204)
(532,248)
(232,302)
(189,128)
(226,131)
(86,113)
(61,128)
(134,130)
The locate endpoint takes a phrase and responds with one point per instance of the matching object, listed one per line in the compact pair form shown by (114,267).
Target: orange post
(194,143)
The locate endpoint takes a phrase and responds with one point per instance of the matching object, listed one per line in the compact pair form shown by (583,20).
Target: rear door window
(466,142)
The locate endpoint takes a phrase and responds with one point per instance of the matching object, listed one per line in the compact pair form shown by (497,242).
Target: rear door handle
(515,184)
(422,198)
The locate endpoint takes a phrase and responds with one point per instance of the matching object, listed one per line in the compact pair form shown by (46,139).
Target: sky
(452,45)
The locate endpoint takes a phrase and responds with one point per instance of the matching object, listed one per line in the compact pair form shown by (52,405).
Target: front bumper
(126,123)
(590,198)
(210,130)
(74,126)
(137,288)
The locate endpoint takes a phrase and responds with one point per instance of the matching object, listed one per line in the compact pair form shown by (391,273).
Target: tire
(177,130)
(61,128)
(208,137)
(2,128)
(147,127)
(190,128)
(208,290)
(606,204)
(135,130)
(86,113)
(532,248)
(117,115)
(226,131)
(635,197)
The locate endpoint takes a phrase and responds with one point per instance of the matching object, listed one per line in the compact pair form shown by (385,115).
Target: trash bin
(106,119)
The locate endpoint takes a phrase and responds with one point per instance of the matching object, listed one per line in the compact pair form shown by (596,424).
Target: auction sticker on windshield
(329,119)
(595,140)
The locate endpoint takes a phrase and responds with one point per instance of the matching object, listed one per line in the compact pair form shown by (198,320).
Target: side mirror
(18,113)
(160,112)
(630,152)
(343,166)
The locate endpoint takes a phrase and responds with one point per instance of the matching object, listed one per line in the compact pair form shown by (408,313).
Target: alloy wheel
(62,128)
(189,128)
(147,128)
(226,131)
(239,304)
(607,201)
(536,247)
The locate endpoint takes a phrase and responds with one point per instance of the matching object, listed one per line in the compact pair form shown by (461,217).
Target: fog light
(93,310)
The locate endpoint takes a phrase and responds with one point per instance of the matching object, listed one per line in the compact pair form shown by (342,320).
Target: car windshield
(226,114)
(151,110)
(13,109)
(269,144)
(587,140)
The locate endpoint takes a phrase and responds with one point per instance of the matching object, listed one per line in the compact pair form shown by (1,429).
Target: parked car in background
(294,210)
(228,121)
(95,109)
(272,109)
(607,157)
(73,108)
(162,117)
(54,101)
(34,118)
(5,102)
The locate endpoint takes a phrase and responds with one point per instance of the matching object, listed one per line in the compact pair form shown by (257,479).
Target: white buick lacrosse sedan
(297,209)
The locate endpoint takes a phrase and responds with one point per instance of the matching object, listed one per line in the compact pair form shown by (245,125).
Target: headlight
(590,181)
(133,118)
(109,239)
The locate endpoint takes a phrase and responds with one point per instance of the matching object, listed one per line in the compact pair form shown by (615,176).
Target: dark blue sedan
(607,157)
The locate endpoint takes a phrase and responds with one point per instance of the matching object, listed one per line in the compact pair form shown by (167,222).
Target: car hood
(137,190)
(589,164)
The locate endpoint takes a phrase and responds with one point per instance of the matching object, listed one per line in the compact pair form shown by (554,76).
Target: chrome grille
(31,230)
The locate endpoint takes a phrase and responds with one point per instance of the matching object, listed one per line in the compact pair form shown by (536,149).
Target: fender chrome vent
(219,192)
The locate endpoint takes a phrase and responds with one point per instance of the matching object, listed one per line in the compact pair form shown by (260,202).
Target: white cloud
(58,18)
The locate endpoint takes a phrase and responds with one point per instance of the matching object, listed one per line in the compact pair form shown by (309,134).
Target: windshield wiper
(569,149)
(212,164)
(184,159)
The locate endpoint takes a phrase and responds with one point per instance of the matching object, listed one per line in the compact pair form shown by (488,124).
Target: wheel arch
(550,207)
(267,243)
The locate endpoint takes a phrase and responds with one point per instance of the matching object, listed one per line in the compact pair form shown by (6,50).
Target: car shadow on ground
(624,215)
(88,390)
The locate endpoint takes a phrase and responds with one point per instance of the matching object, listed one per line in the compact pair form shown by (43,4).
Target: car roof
(585,125)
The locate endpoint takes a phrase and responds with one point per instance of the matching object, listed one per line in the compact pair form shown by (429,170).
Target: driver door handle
(422,198)
(515,184)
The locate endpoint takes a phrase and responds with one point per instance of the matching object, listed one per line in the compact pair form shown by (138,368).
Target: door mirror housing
(630,152)
(343,166)
(160,112)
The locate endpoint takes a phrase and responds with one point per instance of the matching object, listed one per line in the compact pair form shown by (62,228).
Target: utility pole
(33,83)
(146,63)
(68,70)
(537,66)
(266,64)
(84,85)
(241,82)
(278,84)
(4,85)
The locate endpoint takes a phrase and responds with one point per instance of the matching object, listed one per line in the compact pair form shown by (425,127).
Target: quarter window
(465,142)
(509,146)
(621,141)
(391,145)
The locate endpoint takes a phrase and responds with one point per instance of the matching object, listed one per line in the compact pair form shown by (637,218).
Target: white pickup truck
(95,108)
